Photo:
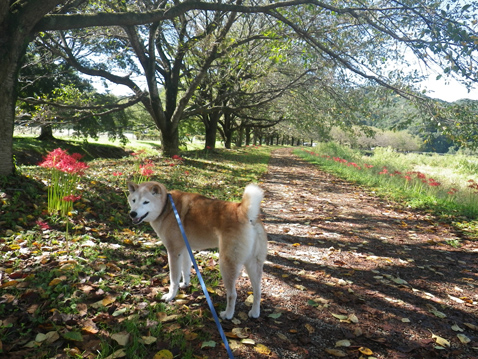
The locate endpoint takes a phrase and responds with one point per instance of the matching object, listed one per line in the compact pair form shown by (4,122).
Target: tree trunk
(210,123)
(7,116)
(11,53)
(240,136)
(248,136)
(15,34)
(228,140)
(170,141)
(46,133)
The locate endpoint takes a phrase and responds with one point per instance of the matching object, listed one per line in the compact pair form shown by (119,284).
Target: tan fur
(234,228)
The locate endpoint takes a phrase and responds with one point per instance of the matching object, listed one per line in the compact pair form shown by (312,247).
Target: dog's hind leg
(230,272)
(254,271)
(185,268)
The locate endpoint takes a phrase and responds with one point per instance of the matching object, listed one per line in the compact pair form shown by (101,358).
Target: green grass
(443,185)
(111,276)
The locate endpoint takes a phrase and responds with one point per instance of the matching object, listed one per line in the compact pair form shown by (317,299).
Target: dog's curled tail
(251,201)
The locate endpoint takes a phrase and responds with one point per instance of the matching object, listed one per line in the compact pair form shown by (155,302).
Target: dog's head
(146,200)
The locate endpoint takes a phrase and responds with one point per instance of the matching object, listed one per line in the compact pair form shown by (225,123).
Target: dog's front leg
(175,261)
(185,268)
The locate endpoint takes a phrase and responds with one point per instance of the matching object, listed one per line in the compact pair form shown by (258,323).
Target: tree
(358,38)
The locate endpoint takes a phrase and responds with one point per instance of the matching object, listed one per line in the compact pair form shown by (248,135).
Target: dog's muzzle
(135,218)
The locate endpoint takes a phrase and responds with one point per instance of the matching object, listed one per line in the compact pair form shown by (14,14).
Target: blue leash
(201,281)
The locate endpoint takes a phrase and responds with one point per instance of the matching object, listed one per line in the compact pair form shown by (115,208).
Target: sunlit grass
(439,184)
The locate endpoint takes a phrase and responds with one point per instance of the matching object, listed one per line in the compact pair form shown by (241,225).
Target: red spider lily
(383,172)
(60,159)
(62,187)
(452,191)
(117,173)
(368,166)
(177,158)
(209,147)
(353,164)
(71,198)
(146,172)
(434,184)
(473,185)
(408,178)
(43,225)
(139,153)
(186,173)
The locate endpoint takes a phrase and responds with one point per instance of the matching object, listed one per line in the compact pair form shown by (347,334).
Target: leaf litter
(347,270)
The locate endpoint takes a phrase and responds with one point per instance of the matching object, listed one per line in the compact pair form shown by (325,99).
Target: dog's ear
(156,189)
(132,187)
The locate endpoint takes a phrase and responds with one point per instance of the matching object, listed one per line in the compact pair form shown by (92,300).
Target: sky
(448,90)
(444,89)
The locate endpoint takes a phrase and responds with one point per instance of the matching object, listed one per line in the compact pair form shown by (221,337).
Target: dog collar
(165,205)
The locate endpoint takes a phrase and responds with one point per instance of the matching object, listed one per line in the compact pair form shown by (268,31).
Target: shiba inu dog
(234,228)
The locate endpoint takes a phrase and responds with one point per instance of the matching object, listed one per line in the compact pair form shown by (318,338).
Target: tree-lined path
(349,268)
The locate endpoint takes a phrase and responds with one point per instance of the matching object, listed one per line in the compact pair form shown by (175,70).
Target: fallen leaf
(89,328)
(343,343)
(249,300)
(336,352)
(238,333)
(282,336)
(149,340)
(164,318)
(248,341)
(109,299)
(310,328)
(11,283)
(262,349)
(438,314)
(440,341)
(121,338)
(471,326)
(163,354)
(209,344)
(365,351)
(55,281)
(117,354)
(353,318)
(82,309)
(456,328)
(40,337)
(52,337)
(340,316)
(75,336)
(463,338)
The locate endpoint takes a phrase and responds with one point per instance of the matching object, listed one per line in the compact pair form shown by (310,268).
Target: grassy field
(445,185)
(89,284)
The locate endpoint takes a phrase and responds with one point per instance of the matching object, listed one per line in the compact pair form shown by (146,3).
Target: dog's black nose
(133,214)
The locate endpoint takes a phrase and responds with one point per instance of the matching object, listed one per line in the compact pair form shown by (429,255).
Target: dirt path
(346,266)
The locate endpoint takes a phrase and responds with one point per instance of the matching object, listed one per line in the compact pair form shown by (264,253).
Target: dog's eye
(145,202)
(134,201)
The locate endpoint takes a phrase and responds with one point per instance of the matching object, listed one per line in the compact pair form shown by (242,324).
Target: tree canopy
(175,45)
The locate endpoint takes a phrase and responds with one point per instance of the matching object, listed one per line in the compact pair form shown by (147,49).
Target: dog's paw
(183,285)
(167,297)
(254,313)
(226,315)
